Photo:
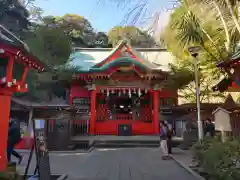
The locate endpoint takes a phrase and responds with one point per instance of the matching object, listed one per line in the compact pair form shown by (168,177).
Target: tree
(78,29)
(100,40)
(216,35)
(50,45)
(53,48)
(14,16)
(135,36)
(35,13)
(211,24)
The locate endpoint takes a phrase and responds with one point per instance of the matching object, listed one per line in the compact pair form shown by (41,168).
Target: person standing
(209,128)
(169,136)
(14,137)
(163,140)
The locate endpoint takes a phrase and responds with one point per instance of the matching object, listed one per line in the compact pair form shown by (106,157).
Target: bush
(219,160)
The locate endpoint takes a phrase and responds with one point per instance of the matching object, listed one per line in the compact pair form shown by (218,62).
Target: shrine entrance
(124,111)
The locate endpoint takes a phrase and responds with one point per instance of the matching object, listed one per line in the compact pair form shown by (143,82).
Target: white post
(29,128)
(194,53)
(200,130)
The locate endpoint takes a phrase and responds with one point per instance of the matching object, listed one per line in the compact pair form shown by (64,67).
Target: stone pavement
(115,164)
(184,159)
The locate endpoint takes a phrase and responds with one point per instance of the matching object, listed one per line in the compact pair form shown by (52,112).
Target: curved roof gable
(122,50)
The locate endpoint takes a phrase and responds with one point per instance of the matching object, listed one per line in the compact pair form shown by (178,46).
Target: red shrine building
(120,89)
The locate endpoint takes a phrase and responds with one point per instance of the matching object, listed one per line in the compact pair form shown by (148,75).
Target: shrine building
(120,91)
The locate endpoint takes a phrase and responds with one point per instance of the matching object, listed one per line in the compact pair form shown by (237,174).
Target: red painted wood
(78,91)
(156,111)
(112,57)
(23,78)
(26,59)
(5,102)
(6,92)
(124,117)
(93,113)
(24,144)
(110,127)
(9,69)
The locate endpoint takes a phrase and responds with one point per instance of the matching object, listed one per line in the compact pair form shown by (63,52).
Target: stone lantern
(13,54)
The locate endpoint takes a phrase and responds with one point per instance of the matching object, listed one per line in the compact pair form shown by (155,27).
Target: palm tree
(189,26)
(227,12)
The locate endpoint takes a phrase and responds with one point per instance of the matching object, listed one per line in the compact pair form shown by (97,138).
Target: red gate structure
(13,54)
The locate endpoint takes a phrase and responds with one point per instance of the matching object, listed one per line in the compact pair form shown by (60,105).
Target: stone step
(125,145)
(85,145)
(128,141)
(132,143)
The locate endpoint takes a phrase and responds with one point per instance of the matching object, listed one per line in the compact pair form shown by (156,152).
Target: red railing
(124,117)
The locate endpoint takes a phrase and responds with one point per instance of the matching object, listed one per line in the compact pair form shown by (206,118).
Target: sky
(106,14)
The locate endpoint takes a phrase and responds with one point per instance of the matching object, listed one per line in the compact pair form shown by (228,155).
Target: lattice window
(81,101)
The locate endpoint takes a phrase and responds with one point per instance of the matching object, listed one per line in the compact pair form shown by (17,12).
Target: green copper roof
(236,56)
(124,61)
(86,59)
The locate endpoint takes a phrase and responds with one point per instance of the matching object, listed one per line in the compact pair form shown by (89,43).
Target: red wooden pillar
(93,112)
(156,112)
(5,102)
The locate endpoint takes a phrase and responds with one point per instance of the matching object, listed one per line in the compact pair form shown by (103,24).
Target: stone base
(10,173)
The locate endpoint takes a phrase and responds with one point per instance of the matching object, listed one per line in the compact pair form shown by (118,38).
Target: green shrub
(217,159)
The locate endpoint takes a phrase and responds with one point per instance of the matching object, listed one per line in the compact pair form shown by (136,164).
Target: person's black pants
(11,152)
(16,154)
(169,144)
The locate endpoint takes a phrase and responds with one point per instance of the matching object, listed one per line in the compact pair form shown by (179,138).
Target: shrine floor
(114,164)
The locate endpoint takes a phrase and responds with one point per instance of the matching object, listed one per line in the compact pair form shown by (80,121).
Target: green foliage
(78,29)
(53,48)
(219,160)
(179,77)
(132,34)
(216,35)
(14,16)
(50,45)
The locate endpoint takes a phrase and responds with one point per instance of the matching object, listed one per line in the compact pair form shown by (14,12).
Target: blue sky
(105,15)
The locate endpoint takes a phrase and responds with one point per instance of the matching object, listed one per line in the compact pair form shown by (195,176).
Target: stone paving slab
(184,159)
(115,164)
